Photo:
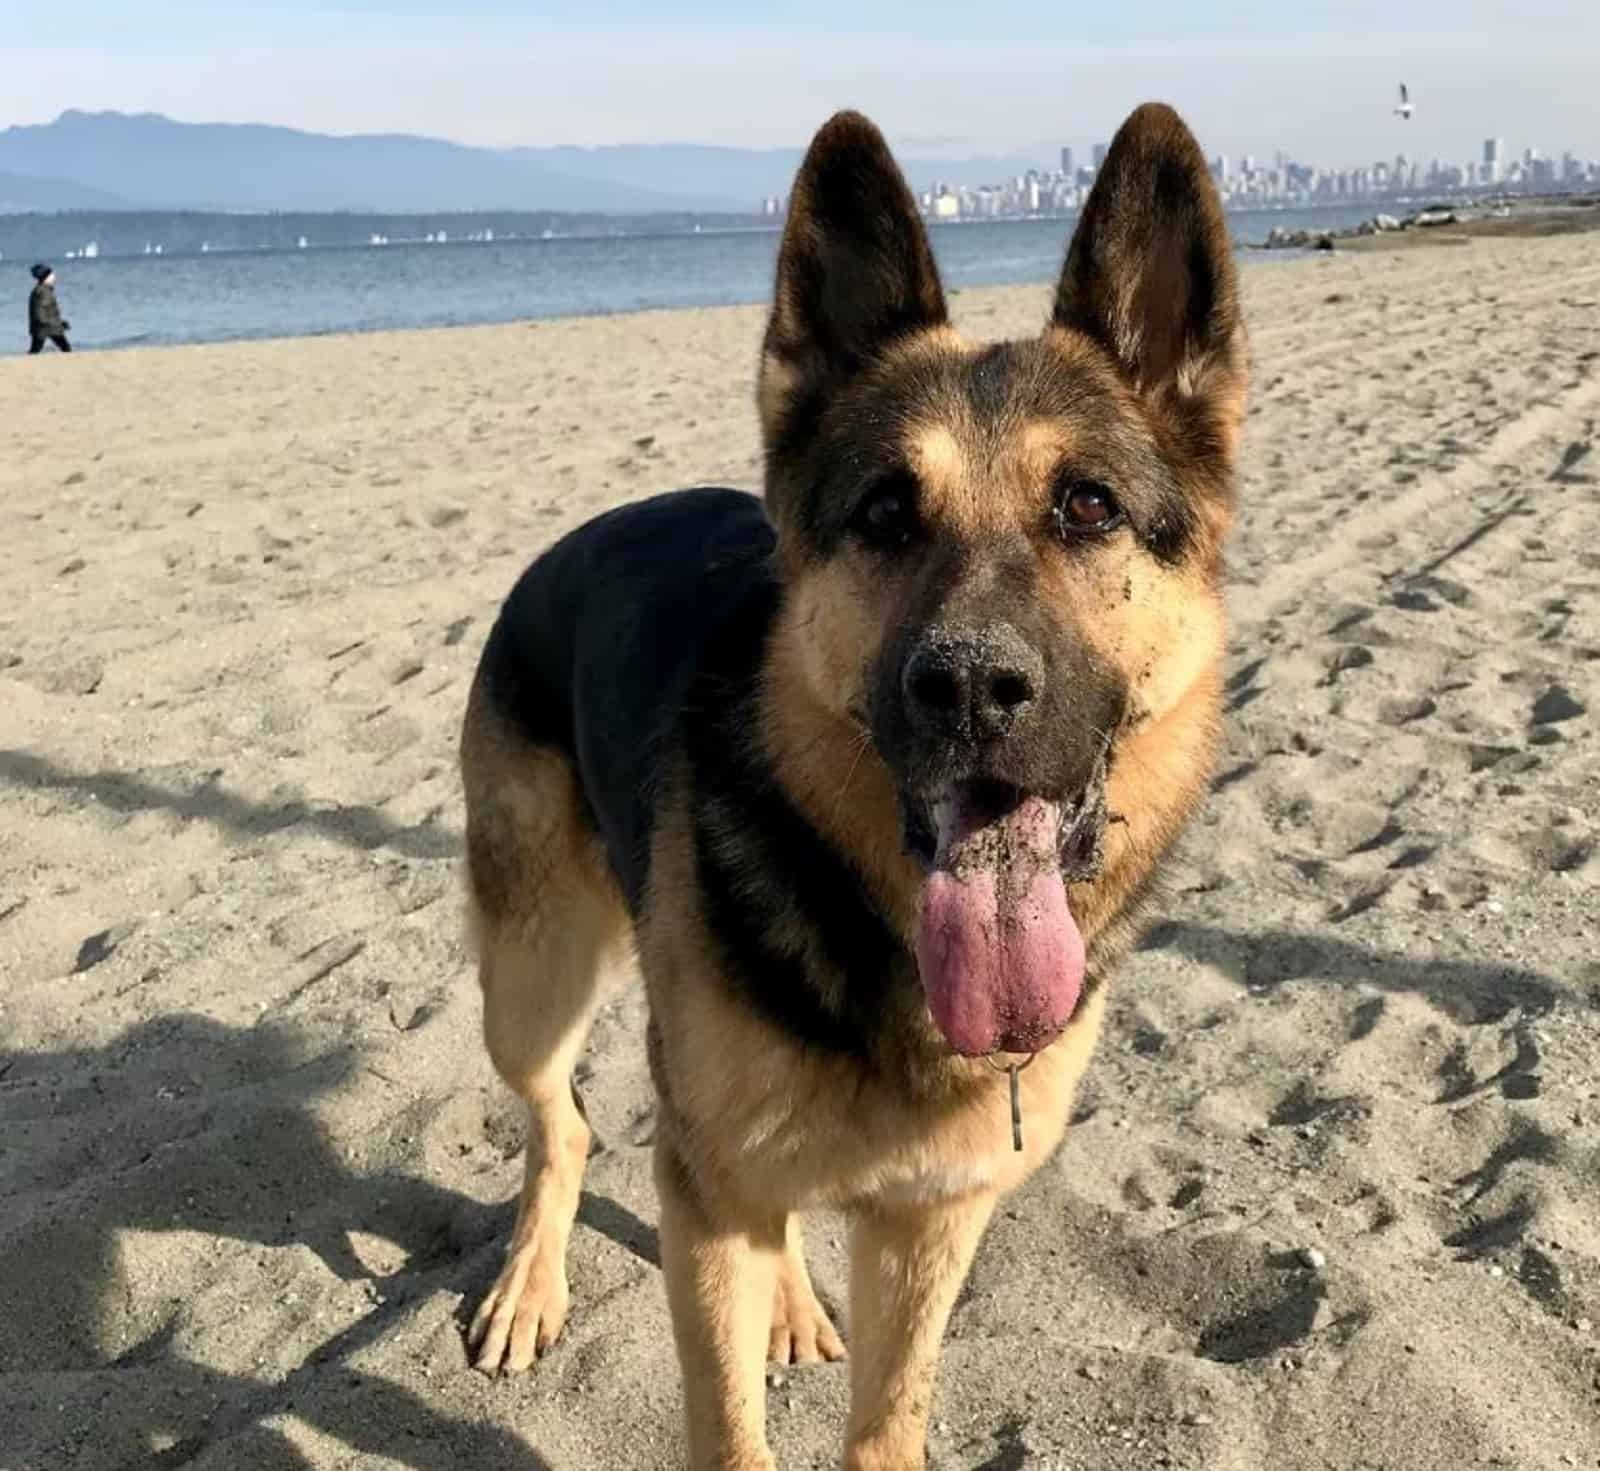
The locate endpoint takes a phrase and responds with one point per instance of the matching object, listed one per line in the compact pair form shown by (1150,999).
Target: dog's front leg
(722,1273)
(906,1267)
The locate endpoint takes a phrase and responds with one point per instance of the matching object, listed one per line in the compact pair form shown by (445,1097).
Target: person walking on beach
(44,313)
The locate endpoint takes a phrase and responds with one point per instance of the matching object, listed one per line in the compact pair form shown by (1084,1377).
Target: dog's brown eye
(1086,505)
(887,515)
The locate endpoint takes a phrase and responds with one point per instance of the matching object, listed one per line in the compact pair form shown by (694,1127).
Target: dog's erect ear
(855,271)
(1150,273)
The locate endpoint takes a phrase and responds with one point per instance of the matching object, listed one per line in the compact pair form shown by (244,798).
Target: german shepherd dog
(870,776)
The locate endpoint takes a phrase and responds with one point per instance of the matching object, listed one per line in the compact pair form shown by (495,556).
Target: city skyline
(1248,181)
(937,77)
(1499,152)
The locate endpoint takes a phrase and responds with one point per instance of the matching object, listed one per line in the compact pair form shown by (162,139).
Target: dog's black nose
(970,681)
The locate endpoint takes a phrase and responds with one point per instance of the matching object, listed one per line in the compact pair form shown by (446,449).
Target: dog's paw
(802,1332)
(522,1315)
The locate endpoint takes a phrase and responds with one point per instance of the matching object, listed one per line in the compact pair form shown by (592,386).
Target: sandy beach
(1332,1196)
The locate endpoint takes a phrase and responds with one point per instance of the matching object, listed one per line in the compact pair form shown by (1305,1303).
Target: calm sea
(135,301)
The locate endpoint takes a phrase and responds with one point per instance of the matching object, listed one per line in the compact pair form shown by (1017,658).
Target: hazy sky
(1315,79)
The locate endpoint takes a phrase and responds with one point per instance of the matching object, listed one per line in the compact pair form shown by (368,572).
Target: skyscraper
(1066,162)
(1098,154)
(1494,150)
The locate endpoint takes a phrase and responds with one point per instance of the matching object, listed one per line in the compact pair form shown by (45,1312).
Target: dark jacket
(44,313)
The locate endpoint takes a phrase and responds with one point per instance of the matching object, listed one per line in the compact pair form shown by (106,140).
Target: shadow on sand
(213,1132)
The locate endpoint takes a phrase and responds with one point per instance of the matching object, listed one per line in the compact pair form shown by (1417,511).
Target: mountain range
(148,161)
(21,193)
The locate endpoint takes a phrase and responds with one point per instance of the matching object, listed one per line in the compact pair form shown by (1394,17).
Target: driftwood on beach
(1450,224)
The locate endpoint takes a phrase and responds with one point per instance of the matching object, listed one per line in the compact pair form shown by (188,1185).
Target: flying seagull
(1405,109)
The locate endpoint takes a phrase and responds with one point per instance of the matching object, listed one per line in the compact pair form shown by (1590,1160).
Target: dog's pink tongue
(1000,953)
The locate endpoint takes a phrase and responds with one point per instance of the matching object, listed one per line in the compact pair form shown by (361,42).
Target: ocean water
(134,301)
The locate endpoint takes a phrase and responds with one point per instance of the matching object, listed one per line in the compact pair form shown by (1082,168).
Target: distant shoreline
(87,235)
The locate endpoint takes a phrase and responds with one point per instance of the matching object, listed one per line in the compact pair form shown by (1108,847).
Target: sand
(1332,1198)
